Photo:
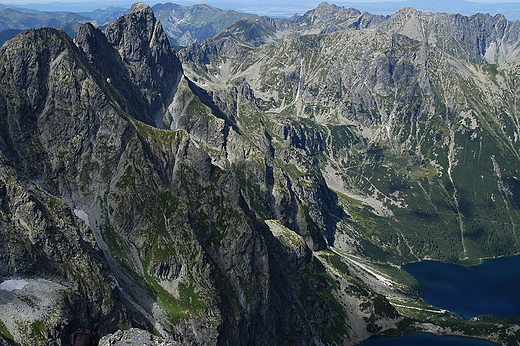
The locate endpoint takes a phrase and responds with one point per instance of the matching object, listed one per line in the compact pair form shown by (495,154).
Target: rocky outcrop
(148,57)
(178,215)
(135,337)
(53,273)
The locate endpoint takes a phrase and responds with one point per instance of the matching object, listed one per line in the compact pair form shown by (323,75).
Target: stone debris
(137,337)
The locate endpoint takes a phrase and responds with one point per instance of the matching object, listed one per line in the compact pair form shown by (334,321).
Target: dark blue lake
(426,339)
(488,288)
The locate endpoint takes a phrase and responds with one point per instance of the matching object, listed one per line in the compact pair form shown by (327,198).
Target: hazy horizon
(510,9)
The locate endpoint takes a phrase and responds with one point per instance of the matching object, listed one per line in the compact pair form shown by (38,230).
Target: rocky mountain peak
(325,5)
(147,55)
(408,10)
(108,63)
(327,11)
(27,39)
(140,7)
(405,14)
(89,40)
(136,33)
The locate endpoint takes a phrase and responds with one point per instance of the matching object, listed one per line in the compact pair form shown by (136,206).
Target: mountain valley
(261,186)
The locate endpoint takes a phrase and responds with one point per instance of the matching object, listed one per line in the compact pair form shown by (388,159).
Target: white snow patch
(13,284)
(82,215)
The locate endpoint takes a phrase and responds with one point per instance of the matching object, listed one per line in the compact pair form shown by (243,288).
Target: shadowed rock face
(178,215)
(151,62)
(42,238)
(106,60)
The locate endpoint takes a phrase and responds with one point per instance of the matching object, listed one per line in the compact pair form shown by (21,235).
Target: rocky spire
(145,51)
(140,7)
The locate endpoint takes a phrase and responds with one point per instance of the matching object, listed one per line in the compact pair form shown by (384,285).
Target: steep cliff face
(182,217)
(45,85)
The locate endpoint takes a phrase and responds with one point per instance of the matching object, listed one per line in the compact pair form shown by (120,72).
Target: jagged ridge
(179,214)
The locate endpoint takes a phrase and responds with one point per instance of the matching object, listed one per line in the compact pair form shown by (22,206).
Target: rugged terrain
(279,171)
(479,38)
(392,124)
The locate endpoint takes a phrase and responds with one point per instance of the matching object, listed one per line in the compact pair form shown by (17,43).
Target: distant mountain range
(15,19)
(187,24)
(511,10)
(183,24)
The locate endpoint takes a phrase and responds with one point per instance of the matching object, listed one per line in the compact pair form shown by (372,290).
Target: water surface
(488,288)
(426,339)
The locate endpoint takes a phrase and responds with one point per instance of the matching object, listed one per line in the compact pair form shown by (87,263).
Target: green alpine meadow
(241,180)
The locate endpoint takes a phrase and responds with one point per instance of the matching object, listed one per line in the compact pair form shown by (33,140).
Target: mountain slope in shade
(186,219)
(42,240)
